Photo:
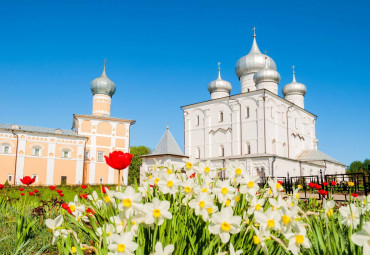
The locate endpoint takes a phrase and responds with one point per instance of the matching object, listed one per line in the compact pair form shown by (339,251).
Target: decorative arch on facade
(86,126)
(121,130)
(104,128)
(274,147)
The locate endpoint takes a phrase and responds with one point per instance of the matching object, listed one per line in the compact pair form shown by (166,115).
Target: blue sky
(163,54)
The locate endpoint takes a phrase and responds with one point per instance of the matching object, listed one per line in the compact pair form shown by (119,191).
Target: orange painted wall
(65,167)
(35,165)
(103,141)
(7,166)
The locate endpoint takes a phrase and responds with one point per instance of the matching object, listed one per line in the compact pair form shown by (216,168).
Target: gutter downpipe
(272,167)
(16,159)
(287,129)
(84,164)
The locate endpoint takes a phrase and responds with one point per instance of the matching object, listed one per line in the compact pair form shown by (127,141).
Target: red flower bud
(192,175)
(118,160)
(103,189)
(84,186)
(323,192)
(52,187)
(30,193)
(333,183)
(36,190)
(317,186)
(89,210)
(325,183)
(61,194)
(21,189)
(311,185)
(22,194)
(281,183)
(59,191)
(65,206)
(1,186)
(354,195)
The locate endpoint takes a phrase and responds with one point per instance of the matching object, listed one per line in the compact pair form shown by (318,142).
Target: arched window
(197,120)
(221,116)
(274,146)
(5,148)
(222,151)
(66,153)
(36,151)
(247,112)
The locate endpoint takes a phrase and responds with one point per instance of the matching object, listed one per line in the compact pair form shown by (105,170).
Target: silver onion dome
(266,74)
(294,88)
(103,85)
(253,62)
(219,85)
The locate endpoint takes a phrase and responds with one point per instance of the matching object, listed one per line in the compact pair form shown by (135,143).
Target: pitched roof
(316,155)
(24,128)
(167,146)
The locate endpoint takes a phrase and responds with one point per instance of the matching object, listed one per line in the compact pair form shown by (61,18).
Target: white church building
(269,134)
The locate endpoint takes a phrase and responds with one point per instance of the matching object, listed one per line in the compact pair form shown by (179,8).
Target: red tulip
(103,189)
(333,183)
(323,192)
(325,183)
(61,194)
(89,210)
(84,196)
(118,160)
(84,186)
(52,187)
(22,194)
(59,191)
(192,175)
(317,186)
(280,182)
(36,190)
(354,195)
(311,185)
(65,206)
(28,180)
(1,186)
(30,193)
(21,189)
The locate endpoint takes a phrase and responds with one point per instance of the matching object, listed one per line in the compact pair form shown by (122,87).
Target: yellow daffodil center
(189,165)
(250,184)
(330,212)
(299,239)
(121,247)
(169,183)
(224,190)
(237,198)
(256,240)
(109,233)
(107,199)
(157,213)
(285,219)
(238,171)
(227,203)
(271,223)
(351,184)
(270,191)
(150,176)
(133,223)
(278,185)
(210,210)
(292,204)
(155,167)
(258,207)
(300,186)
(127,202)
(73,249)
(201,204)
(297,196)
(187,189)
(169,171)
(225,226)
(72,208)
(156,180)
(204,190)
(207,169)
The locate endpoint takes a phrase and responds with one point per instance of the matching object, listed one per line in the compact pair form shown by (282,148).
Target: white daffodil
(188,189)
(248,185)
(288,217)
(275,186)
(155,178)
(233,252)
(350,215)
(362,238)
(156,212)
(235,171)
(159,250)
(169,184)
(328,208)
(95,199)
(366,203)
(190,163)
(203,188)
(256,205)
(277,202)
(223,223)
(145,189)
(297,239)
(119,221)
(130,200)
(157,165)
(135,221)
(211,210)
(53,225)
(268,220)
(223,190)
(168,167)
(296,194)
(259,240)
(205,169)
(200,204)
(122,244)
(108,230)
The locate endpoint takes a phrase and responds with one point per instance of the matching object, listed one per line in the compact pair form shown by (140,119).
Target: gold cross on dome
(219,65)
(293,68)
(254,31)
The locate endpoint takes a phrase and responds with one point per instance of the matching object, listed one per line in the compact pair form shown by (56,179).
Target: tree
(134,169)
(355,167)
(366,166)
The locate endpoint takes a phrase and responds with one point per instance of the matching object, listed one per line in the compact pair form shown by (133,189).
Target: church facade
(269,134)
(76,156)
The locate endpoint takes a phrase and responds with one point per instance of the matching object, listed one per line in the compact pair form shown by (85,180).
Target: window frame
(97,156)
(64,155)
(247,112)
(221,116)
(11,178)
(37,177)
